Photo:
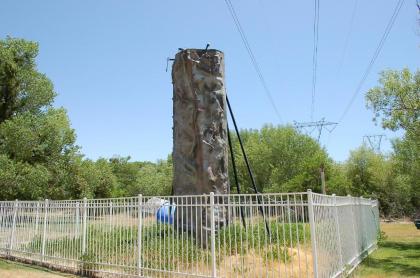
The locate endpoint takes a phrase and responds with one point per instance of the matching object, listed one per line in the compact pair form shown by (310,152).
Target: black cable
(346,42)
(375,56)
(251,175)
(235,174)
(315,56)
(252,57)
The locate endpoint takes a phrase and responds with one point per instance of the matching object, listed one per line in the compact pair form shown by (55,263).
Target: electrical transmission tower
(310,127)
(374,141)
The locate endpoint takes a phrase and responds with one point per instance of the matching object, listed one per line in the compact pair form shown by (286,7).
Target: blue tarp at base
(166,213)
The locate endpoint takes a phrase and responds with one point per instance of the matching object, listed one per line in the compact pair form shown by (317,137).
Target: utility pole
(323,179)
(309,128)
(374,141)
(318,125)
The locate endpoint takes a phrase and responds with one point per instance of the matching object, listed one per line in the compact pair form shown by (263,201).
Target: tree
(396,103)
(366,170)
(154,179)
(126,173)
(37,144)
(106,182)
(22,87)
(337,180)
(407,164)
(373,175)
(93,179)
(22,180)
(282,160)
(37,138)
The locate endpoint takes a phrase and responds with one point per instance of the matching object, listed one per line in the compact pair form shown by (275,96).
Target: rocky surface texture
(200,151)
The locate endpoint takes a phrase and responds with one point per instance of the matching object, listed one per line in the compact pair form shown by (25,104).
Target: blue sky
(107,61)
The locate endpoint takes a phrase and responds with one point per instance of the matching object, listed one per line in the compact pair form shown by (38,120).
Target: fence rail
(265,235)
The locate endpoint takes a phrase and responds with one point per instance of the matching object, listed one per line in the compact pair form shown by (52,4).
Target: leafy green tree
(37,138)
(367,171)
(373,175)
(22,180)
(106,183)
(126,173)
(22,87)
(406,158)
(282,160)
(396,103)
(337,180)
(37,144)
(93,179)
(154,179)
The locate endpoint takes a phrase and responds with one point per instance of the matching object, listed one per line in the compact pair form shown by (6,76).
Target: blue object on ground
(417,223)
(166,213)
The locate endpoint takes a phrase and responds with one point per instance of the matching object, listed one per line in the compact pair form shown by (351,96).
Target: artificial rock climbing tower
(200,150)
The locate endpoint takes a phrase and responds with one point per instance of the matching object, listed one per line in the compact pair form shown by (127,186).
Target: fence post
(212,236)
(44,233)
(77,232)
(353,219)
(376,216)
(12,233)
(376,229)
(139,232)
(37,218)
(2,214)
(313,233)
(2,224)
(337,223)
(364,226)
(84,227)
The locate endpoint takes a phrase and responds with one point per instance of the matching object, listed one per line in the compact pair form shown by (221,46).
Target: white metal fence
(265,235)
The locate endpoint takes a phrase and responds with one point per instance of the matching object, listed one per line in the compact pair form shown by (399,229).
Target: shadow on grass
(401,246)
(391,266)
(407,252)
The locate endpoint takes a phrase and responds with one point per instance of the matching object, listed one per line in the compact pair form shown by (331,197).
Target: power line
(346,42)
(375,56)
(315,56)
(252,57)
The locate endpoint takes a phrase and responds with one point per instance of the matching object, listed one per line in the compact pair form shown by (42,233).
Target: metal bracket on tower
(374,141)
(318,125)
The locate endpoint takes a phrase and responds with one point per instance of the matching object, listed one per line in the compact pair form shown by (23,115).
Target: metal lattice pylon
(310,127)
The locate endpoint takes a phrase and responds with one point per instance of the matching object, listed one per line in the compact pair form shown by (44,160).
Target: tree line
(39,157)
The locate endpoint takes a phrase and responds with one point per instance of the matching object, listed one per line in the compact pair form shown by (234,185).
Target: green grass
(237,240)
(159,240)
(7,265)
(398,254)
(17,270)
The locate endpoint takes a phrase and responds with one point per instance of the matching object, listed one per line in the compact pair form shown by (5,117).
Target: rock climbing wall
(200,150)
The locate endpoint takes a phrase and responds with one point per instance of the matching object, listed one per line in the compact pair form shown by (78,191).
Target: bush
(165,247)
